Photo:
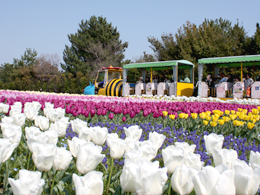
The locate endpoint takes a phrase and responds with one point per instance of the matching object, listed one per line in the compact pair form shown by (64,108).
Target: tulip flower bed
(64,144)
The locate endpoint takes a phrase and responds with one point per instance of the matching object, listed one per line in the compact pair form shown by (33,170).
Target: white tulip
(42,122)
(31,132)
(209,181)
(88,157)
(173,157)
(133,132)
(150,179)
(31,113)
(13,133)
(55,114)
(157,139)
(34,105)
(99,135)
(62,159)
(19,119)
(181,179)
(127,178)
(47,137)
(148,149)
(14,111)
(49,105)
(86,133)
(185,146)
(254,159)
(6,149)
(130,144)
(224,156)
(247,179)
(5,126)
(73,145)
(77,125)
(17,105)
(43,155)
(112,135)
(29,182)
(213,141)
(91,183)
(117,147)
(4,108)
(193,160)
(60,126)
(8,119)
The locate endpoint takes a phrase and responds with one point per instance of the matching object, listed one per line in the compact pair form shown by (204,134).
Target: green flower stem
(52,185)
(6,176)
(28,161)
(169,186)
(112,166)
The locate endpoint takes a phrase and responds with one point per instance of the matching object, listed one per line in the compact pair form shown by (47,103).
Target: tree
(46,68)
(28,59)
(213,38)
(96,44)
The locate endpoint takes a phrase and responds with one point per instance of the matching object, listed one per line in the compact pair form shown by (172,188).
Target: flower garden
(75,144)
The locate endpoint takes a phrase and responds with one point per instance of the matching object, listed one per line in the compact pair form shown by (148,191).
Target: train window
(101,76)
(114,75)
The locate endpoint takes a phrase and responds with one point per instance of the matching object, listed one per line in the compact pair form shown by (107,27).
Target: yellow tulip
(194,115)
(186,116)
(208,118)
(227,112)
(253,121)
(208,113)
(182,115)
(250,125)
(165,113)
(239,109)
(258,107)
(202,115)
(232,116)
(216,112)
(221,113)
(239,113)
(226,119)
(214,119)
(244,111)
(221,122)
(257,117)
(172,116)
(238,123)
(255,111)
(213,124)
(205,122)
(233,111)
(216,115)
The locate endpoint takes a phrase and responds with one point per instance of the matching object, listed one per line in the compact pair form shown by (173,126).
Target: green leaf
(59,175)
(60,186)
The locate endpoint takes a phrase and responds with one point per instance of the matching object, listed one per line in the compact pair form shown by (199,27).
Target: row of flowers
(51,150)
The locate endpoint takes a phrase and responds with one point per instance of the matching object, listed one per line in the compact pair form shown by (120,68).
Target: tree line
(97,44)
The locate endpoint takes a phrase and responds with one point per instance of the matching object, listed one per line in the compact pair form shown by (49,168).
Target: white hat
(141,78)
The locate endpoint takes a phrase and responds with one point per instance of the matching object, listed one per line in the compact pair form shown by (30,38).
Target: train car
(233,89)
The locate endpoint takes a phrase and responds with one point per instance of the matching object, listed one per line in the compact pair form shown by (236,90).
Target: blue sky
(43,25)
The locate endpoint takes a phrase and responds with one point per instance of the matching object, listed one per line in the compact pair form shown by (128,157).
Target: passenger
(162,78)
(155,79)
(236,80)
(230,78)
(248,83)
(148,80)
(186,79)
(167,81)
(140,80)
(223,78)
(209,80)
(216,81)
